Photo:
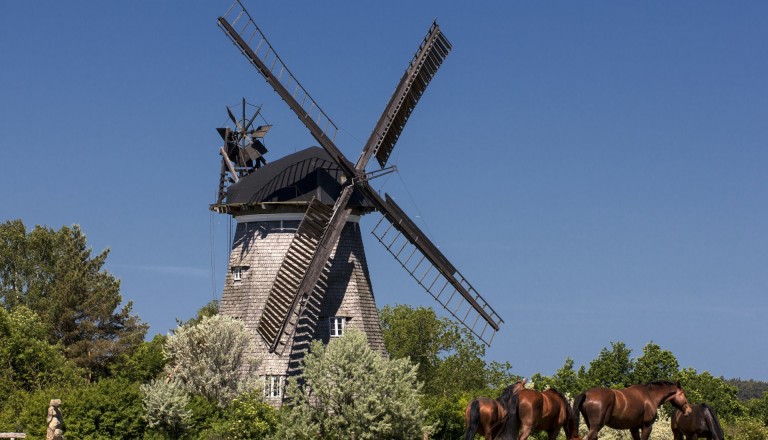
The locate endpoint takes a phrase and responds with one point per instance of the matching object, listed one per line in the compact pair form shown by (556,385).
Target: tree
(449,359)
(54,274)
(566,380)
(108,409)
(144,364)
(212,358)
(247,417)
(450,364)
(24,411)
(655,364)
(749,388)
(745,428)
(27,360)
(211,308)
(416,334)
(714,391)
(349,391)
(611,369)
(758,408)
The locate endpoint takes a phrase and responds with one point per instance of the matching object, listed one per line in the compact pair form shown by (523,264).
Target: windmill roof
(294,178)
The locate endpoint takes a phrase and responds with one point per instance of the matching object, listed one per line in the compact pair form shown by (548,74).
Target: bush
(108,409)
(212,358)
(662,430)
(247,417)
(165,407)
(746,428)
(350,391)
(25,411)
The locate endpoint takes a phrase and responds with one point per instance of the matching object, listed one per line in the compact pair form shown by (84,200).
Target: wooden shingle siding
(345,290)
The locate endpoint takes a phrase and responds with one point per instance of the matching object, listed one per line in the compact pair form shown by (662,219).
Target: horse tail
(473,419)
(712,422)
(511,420)
(571,421)
(578,405)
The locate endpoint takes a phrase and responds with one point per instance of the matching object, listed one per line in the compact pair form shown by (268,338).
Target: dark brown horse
(701,422)
(633,408)
(488,417)
(547,411)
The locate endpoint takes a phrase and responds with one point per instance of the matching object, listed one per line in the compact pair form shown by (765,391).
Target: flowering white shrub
(212,358)
(662,430)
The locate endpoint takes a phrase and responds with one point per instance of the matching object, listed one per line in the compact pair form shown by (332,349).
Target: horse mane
(505,395)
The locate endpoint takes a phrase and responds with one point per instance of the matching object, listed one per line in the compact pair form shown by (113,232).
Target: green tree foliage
(247,417)
(416,334)
(758,408)
(24,411)
(655,364)
(209,309)
(350,391)
(450,364)
(611,369)
(749,388)
(449,359)
(745,428)
(53,273)
(714,391)
(27,360)
(106,410)
(145,363)
(212,358)
(566,380)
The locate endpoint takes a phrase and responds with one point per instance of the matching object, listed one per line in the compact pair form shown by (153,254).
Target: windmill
(297,266)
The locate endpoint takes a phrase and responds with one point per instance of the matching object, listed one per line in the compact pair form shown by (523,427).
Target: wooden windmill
(297,267)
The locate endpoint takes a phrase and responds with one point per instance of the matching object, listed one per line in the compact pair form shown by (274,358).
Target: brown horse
(488,417)
(547,411)
(701,422)
(633,408)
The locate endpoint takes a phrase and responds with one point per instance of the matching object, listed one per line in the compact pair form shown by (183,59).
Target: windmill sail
(432,270)
(272,68)
(296,281)
(417,76)
(282,301)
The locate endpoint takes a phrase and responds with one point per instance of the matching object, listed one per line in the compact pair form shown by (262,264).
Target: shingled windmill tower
(297,269)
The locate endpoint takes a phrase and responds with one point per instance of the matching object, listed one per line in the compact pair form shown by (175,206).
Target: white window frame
(336,326)
(273,386)
(237,273)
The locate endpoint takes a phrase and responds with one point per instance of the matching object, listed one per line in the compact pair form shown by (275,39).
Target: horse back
(483,415)
(620,409)
(556,406)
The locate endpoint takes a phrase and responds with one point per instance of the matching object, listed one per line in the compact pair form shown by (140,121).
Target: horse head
(519,385)
(679,401)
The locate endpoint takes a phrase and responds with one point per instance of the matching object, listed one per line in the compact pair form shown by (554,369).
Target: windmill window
(273,386)
(336,326)
(279,225)
(237,272)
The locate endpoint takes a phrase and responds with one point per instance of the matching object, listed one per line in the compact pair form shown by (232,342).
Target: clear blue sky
(598,170)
